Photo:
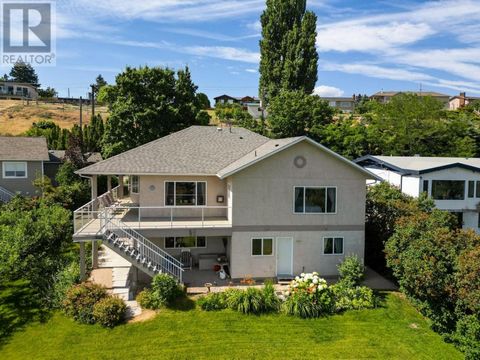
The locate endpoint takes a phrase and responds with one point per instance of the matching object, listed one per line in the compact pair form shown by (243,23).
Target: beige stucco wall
(307,252)
(263,194)
(23,186)
(156,197)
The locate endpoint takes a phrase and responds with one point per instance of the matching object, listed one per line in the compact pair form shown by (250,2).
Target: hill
(16,116)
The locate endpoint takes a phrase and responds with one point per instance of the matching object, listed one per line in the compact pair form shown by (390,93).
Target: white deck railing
(5,195)
(174,216)
(147,249)
(91,211)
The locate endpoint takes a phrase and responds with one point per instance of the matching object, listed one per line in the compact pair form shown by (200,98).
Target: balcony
(89,219)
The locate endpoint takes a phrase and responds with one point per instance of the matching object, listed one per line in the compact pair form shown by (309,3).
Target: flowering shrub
(309,296)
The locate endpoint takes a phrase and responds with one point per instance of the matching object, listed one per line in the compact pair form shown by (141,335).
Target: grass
(393,331)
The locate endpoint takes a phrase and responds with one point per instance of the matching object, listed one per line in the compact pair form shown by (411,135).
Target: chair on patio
(186,259)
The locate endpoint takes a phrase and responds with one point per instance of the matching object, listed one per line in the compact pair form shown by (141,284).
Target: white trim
(291,254)
(14,177)
(262,238)
(186,247)
(130,183)
(316,187)
(175,193)
(333,245)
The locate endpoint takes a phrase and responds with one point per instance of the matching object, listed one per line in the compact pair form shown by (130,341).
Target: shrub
(467,336)
(352,298)
(145,300)
(68,276)
(351,271)
(81,299)
(164,290)
(109,311)
(270,298)
(213,301)
(309,297)
(248,301)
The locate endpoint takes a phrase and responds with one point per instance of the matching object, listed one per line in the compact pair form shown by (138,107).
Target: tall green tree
(93,134)
(25,73)
(288,55)
(145,104)
(99,83)
(203,101)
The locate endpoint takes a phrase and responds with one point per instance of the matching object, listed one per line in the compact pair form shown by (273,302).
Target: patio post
(120,189)
(93,184)
(94,254)
(109,183)
(82,261)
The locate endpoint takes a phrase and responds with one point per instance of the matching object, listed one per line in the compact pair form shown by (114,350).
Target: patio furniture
(186,259)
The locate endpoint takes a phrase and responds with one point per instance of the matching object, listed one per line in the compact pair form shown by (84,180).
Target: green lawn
(394,331)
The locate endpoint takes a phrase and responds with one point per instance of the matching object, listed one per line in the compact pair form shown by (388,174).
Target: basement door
(284,256)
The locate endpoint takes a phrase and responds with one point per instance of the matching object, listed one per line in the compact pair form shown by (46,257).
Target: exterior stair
(138,250)
(5,195)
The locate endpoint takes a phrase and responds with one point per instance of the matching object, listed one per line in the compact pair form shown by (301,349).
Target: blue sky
(364,46)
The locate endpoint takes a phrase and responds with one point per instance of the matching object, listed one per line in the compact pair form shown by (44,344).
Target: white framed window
(185,242)
(262,246)
(14,170)
(315,200)
(185,193)
(333,245)
(134,184)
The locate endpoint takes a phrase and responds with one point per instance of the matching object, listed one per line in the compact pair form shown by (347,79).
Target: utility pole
(93,100)
(69,93)
(81,103)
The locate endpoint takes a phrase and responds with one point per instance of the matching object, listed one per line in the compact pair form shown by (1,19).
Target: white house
(453,183)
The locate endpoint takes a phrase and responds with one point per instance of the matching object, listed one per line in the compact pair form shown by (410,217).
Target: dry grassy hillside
(16,116)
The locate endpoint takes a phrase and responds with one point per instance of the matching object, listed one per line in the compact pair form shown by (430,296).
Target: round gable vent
(300,162)
(151,188)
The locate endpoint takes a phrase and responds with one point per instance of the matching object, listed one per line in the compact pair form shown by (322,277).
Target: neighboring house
(453,183)
(265,208)
(344,104)
(461,100)
(16,90)
(256,111)
(385,96)
(243,101)
(57,158)
(22,160)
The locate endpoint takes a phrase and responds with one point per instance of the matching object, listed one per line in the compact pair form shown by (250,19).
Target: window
(184,193)
(448,189)
(135,184)
(477,190)
(471,189)
(333,245)
(14,170)
(262,247)
(478,220)
(425,186)
(185,242)
(315,200)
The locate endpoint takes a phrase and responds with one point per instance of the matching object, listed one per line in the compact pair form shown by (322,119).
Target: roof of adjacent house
(200,150)
(56,156)
(239,98)
(419,93)
(419,164)
(23,148)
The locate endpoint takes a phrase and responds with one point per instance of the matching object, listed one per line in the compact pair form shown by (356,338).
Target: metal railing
(175,217)
(147,249)
(5,195)
(90,212)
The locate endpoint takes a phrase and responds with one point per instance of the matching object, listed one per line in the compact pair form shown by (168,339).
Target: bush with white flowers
(309,296)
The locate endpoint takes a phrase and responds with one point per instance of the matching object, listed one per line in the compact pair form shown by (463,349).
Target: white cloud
(253,71)
(224,52)
(328,91)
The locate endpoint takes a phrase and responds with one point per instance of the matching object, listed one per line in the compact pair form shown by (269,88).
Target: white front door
(284,256)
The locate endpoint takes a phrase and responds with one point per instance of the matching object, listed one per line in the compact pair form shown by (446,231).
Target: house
(453,183)
(231,198)
(461,100)
(344,104)
(243,101)
(17,90)
(384,97)
(22,160)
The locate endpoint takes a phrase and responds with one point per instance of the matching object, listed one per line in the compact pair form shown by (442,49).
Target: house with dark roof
(242,100)
(207,203)
(453,183)
(22,160)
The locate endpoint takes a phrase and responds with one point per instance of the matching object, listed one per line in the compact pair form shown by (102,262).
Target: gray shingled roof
(423,163)
(197,150)
(23,148)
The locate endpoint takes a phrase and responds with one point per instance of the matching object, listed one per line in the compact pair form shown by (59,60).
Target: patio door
(284,256)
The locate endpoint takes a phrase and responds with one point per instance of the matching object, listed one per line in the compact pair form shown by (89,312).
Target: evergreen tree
(24,73)
(99,83)
(93,134)
(288,54)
